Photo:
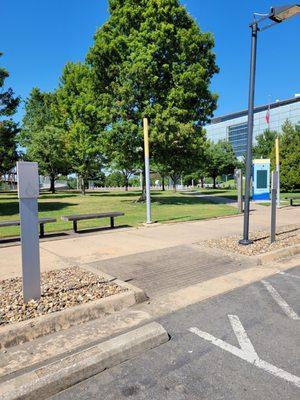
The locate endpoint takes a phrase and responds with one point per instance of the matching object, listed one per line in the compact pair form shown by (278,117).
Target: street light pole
(276,15)
(254,29)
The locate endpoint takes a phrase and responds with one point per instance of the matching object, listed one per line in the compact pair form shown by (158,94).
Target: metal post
(239,184)
(245,240)
(147,169)
(273,206)
(28,190)
(278,171)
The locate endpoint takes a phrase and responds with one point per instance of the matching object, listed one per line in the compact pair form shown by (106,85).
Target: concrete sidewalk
(85,249)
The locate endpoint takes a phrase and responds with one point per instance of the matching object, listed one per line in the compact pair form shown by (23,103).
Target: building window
(237,136)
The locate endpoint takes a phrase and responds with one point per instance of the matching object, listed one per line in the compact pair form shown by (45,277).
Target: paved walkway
(84,249)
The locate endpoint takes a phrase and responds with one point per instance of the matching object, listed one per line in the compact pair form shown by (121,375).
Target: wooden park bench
(292,199)
(83,217)
(42,222)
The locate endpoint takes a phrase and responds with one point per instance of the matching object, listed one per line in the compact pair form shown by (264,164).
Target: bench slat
(17,223)
(81,217)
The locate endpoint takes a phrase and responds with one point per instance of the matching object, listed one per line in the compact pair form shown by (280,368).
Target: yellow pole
(278,170)
(146,137)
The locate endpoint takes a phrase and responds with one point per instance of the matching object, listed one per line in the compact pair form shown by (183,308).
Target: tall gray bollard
(28,191)
(273,205)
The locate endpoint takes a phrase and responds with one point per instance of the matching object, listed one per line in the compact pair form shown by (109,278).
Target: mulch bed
(285,236)
(61,289)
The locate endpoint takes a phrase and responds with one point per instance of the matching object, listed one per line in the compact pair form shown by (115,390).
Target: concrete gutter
(21,332)
(47,381)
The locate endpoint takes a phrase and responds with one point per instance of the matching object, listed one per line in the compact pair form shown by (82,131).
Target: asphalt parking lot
(241,345)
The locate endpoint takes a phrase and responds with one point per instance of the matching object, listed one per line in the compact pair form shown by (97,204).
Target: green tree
(48,148)
(115,179)
(220,159)
(265,143)
(289,157)
(8,128)
(82,121)
(42,136)
(151,58)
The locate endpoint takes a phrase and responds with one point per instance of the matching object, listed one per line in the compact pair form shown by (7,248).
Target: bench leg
(112,222)
(42,230)
(75,226)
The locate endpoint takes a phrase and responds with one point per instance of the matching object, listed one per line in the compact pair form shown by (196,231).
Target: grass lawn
(166,207)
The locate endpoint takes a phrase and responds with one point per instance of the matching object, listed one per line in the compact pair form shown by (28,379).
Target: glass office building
(233,127)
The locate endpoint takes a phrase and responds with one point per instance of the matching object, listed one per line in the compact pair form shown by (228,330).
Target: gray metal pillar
(147,169)
(245,240)
(28,190)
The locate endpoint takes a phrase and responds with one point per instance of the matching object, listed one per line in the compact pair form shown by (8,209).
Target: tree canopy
(82,120)
(289,157)
(8,128)
(42,135)
(265,143)
(220,159)
(151,59)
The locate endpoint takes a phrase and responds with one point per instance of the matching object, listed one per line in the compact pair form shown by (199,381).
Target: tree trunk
(202,182)
(214,180)
(163,183)
(174,180)
(83,182)
(126,184)
(52,184)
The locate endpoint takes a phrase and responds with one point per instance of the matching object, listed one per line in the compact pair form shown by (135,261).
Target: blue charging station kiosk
(261,180)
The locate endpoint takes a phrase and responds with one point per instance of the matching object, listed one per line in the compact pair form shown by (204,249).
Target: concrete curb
(259,260)
(278,254)
(21,332)
(139,294)
(51,379)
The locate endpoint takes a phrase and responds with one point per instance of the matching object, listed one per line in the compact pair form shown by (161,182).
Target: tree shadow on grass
(58,195)
(183,217)
(122,194)
(175,200)
(12,208)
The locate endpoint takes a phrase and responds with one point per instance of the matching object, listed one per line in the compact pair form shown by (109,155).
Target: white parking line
(288,274)
(246,352)
(280,301)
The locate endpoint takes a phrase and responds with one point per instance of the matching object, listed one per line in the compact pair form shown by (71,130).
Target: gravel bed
(285,236)
(61,289)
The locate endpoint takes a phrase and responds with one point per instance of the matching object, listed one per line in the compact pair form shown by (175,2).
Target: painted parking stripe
(280,301)
(288,274)
(246,352)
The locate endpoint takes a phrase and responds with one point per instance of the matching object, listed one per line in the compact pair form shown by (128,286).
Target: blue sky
(39,37)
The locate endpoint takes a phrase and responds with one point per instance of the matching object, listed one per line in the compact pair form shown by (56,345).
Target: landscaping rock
(285,236)
(61,289)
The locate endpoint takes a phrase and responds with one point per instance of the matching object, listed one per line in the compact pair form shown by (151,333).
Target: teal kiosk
(261,180)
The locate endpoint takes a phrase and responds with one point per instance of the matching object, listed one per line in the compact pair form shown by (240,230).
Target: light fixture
(279,14)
